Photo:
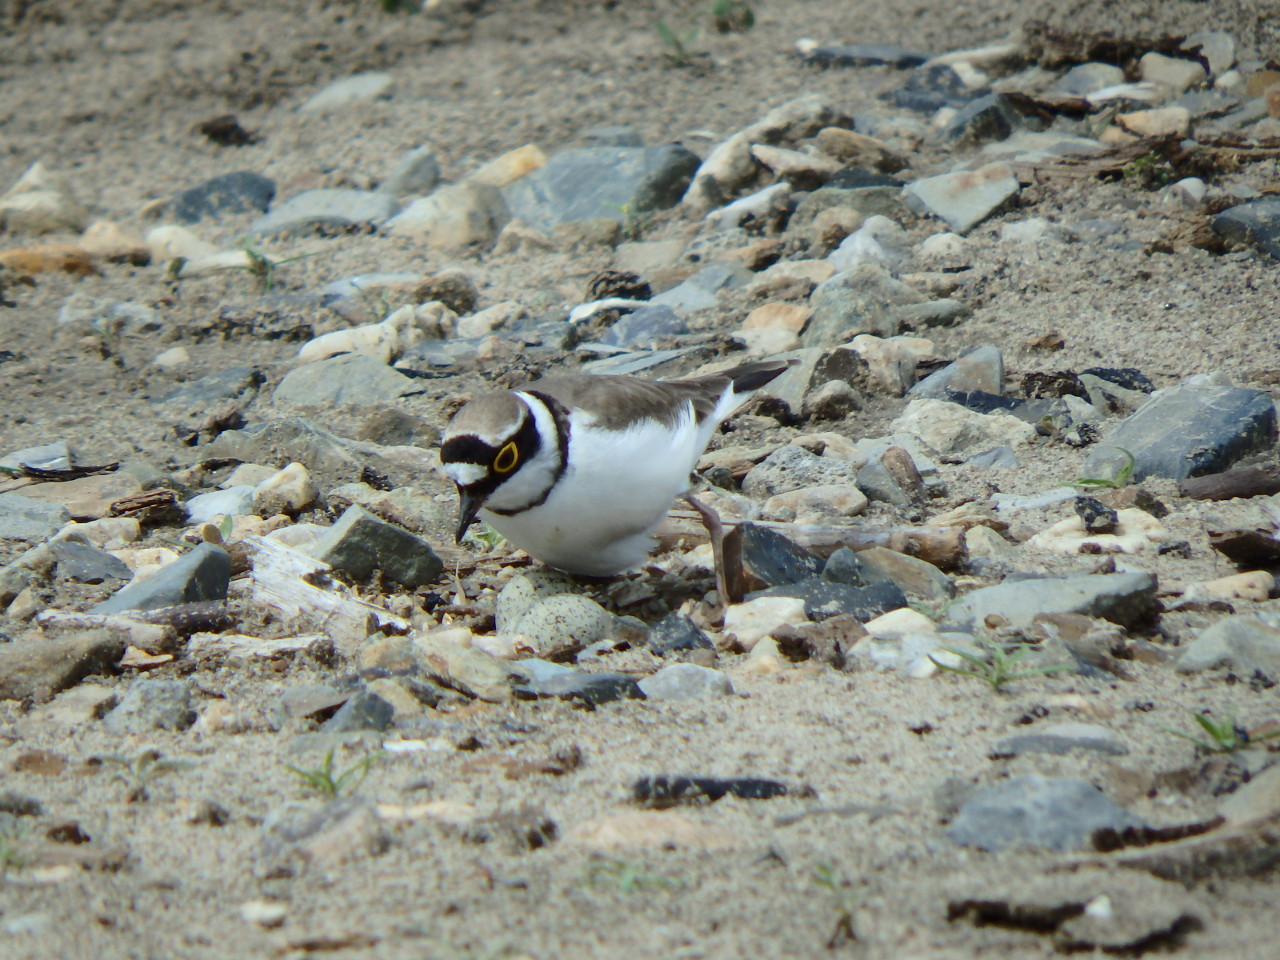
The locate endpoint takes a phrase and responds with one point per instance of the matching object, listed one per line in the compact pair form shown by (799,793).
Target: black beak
(469,505)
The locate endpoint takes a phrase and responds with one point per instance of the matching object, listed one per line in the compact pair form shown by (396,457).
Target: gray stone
(1254,224)
(454,217)
(350,91)
(861,300)
(1216,47)
(359,543)
(824,598)
(583,183)
(700,291)
(32,521)
(87,564)
(966,198)
(415,175)
(997,458)
(332,208)
(1187,431)
(865,55)
(47,456)
(980,369)
(364,711)
(1061,738)
(592,689)
(885,200)
(1087,78)
(641,328)
(208,507)
(224,385)
(347,378)
(992,117)
(792,468)
(927,89)
(772,559)
(916,577)
(152,705)
(1244,644)
(932,313)
(36,668)
(534,670)
(308,701)
(112,317)
(1123,598)
(1053,812)
(202,574)
(675,633)
(239,192)
(612,135)
(686,681)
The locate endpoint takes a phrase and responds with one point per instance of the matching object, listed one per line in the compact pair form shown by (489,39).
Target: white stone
(218,262)
(289,491)
(247,474)
(1187,192)
(172,358)
(169,242)
(211,507)
(41,201)
(878,239)
(952,429)
(892,361)
(349,92)
(264,913)
(1172,72)
(944,246)
(384,341)
(492,318)
(965,198)
(1136,531)
(686,681)
(896,624)
(1161,122)
(1255,585)
(985,542)
(510,166)
(1215,46)
(756,619)
(795,163)
(453,217)
(758,205)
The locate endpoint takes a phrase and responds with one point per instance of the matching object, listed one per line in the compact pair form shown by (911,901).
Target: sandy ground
(108,93)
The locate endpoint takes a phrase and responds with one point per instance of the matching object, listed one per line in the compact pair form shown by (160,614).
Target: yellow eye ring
(506,459)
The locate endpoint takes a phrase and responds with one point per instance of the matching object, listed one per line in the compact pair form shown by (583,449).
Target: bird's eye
(507,458)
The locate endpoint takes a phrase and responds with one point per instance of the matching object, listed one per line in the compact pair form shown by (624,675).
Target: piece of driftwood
(299,588)
(1256,546)
(1259,480)
(239,646)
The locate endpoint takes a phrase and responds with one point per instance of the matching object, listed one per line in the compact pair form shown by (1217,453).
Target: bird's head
(484,447)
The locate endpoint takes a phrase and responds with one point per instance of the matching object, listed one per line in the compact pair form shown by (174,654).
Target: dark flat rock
(1255,224)
(202,574)
(239,192)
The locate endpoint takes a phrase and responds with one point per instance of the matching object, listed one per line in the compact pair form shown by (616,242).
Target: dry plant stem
(715,530)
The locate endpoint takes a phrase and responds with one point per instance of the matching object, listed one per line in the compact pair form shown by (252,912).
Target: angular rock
(792,468)
(1086,78)
(966,198)
(1172,72)
(1053,812)
(223,385)
(239,192)
(29,520)
(149,705)
(686,681)
(641,328)
(87,564)
(1245,644)
(700,291)
(235,501)
(363,711)
(951,429)
(878,240)
(454,217)
(769,559)
(929,88)
(1255,224)
(860,300)
(583,183)
(592,689)
(359,543)
(41,201)
(37,668)
(202,574)
(675,633)
(1124,598)
(47,456)
(992,117)
(825,598)
(344,379)
(1188,431)
(981,369)
(331,209)
(916,577)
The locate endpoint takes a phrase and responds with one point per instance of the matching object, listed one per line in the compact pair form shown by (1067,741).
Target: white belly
(617,488)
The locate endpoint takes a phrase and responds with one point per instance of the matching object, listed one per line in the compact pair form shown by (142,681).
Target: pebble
(592,689)
(953,430)
(175,358)
(1161,122)
(365,710)
(860,55)
(330,208)
(800,169)
(929,88)
(648,830)
(994,116)
(793,468)
(1244,643)
(112,242)
(1086,78)
(211,507)
(359,543)
(701,291)
(1255,586)
(676,633)
(203,573)
(1187,431)
(1059,738)
(891,361)
(35,669)
(339,832)
(349,378)
(510,166)
(385,341)
(229,384)
(87,564)
(1214,46)
(417,174)
(1173,73)
(966,198)
(454,217)
(349,92)
(753,620)
(30,520)
(1057,813)
(863,299)
(824,598)
(981,369)
(290,491)
(685,681)
(1124,598)
(41,201)
(820,503)
(149,705)
(583,183)
(916,577)
(1135,531)
(240,192)
(879,240)
(641,328)
(1255,224)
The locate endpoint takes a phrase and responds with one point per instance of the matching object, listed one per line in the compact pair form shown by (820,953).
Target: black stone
(669,791)
(675,633)
(844,566)
(825,598)
(981,401)
(239,192)
(202,574)
(771,558)
(1096,517)
(928,89)
(87,564)
(588,689)
(1255,224)
(865,55)
(992,117)
(858,178)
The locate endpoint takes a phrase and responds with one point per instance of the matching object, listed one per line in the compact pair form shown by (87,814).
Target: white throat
(533,478)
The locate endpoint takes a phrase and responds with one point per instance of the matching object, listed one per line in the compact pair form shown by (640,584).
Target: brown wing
(616,400)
